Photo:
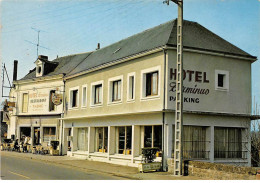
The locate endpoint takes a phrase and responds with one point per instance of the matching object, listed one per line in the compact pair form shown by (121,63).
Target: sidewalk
(95,166)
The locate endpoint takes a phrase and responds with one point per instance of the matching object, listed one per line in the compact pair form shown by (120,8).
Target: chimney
(98,46)
(43,57)
(15,70)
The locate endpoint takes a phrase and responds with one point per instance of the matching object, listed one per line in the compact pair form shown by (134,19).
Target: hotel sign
(192,88)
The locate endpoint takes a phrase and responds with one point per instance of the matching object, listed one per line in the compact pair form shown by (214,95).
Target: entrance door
(36,140)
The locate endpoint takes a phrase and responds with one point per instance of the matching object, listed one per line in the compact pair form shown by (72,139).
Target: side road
(95,166)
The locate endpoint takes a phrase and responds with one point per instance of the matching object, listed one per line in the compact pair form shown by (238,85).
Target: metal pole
(179,95)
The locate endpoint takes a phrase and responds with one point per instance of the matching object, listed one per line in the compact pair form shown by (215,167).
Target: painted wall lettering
(196,76)
(189,90)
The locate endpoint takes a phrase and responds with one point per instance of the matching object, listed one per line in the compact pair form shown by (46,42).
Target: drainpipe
(62,115)
(164,168)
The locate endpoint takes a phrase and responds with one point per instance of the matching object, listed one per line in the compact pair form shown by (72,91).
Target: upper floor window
(51,104)
(98,94)
(221,80)
(74,98)
(131,86)
(84,96)
(150,82)
(116,91)
(25,102)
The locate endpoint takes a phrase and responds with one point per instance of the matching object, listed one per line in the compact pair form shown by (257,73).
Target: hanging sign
(57,99)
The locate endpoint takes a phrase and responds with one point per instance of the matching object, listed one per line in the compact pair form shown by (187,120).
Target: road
(16,168)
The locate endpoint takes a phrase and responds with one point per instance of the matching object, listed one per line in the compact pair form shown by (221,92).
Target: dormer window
(40,65)
(39,69)
(44,66)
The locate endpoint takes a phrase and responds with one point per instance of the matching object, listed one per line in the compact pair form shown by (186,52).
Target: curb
(93,170)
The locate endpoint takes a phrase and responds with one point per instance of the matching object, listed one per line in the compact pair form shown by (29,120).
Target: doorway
(36,139)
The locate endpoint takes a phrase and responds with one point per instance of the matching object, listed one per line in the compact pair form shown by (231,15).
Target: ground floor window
(101,136)
(49,134)
(83,139)
(124,140)
(228,142)
(153,137)
(25,132)
(194,142)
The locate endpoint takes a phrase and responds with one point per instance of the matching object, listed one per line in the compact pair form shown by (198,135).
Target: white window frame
(23,101)
(132,74)
(82,97)
(143,82)
(225,81)
(70,99)
(92,99)
(110,89)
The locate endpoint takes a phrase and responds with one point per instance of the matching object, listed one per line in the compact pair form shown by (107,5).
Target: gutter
(164,168)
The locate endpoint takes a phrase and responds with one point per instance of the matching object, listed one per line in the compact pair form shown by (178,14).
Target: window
(84,96)
(51,104)
(83,139)
(228,143)
(116,91)
(74,98)
(194,142)
(98,94)
(153,136)
(25,102)
(124,140)
(150,83)
(221,80)
(101,136)
(131,87)
(49,134)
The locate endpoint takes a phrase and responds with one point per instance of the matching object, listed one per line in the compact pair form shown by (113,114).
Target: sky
(75,26)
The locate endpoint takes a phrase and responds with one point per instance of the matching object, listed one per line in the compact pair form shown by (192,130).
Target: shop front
(37,130)
(111,141)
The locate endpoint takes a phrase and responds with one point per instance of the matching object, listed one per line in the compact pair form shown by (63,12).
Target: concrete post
(135,141)
(179,95)
(168,141)
(41,134)
(211,153)
(18,133)
(91,139)
(32,135)
(111,140)
(64,141)
(74,139)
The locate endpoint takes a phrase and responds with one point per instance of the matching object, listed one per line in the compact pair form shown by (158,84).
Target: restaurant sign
(38,101)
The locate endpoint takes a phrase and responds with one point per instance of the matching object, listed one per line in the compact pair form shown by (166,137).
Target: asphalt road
(15,168)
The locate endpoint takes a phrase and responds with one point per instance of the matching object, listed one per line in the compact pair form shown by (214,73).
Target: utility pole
(178,156)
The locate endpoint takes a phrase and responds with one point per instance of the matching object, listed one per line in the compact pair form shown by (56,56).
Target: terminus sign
(190,76)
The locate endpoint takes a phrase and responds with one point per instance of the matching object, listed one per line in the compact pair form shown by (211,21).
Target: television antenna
(38,40)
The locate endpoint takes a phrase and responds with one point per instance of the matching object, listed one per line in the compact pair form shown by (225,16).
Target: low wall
(218,171)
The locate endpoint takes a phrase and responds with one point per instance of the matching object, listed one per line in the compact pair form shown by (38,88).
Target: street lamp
(178,156)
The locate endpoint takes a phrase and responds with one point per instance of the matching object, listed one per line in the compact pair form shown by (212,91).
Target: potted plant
(148,164)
